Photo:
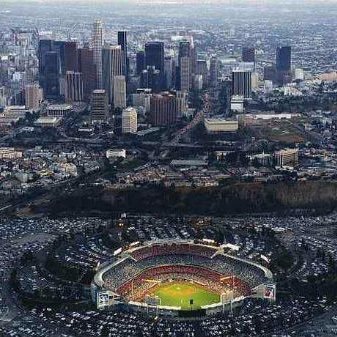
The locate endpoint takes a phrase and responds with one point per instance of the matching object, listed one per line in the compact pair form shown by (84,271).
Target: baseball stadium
(179,278)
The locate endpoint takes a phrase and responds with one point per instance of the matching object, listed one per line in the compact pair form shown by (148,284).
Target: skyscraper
(112,65)
(119,92)
(49,69)
(283,58)
(33,96)
(44,47)
(213,71)
(163,109)
(122,41)
(129,120)
(97,42)
(87,67)
(74,87)
(283,65)
(150,79)
(185,73)
(70,56)
(140,62)
(168,71)
(51,75)
(99,106)
(154,56)
(201,69)
(185,66)
(242,83)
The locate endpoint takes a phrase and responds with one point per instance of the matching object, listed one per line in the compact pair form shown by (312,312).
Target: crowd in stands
(141,285)
(164,262)
(172,249)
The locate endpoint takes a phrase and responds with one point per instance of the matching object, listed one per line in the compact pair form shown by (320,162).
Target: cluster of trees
(231,198)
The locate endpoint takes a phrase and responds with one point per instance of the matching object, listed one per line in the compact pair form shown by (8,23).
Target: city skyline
(168,168)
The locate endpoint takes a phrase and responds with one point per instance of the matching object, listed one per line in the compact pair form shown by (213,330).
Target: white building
(50,122)
(59,110)
(237,103)
(115,153)
(214,125)
(119,97)
(9,153)
(129,120)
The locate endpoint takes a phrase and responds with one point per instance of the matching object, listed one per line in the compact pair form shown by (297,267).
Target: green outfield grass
(179,294)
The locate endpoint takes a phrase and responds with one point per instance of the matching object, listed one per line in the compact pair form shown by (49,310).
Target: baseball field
(181,294)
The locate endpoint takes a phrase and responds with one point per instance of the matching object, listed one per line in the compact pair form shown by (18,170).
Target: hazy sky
(258,2)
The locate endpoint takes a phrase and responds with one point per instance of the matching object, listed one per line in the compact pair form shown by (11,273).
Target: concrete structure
(97,42)
(48,122)
(213,71)
(33,96)
(242,82)
(99,106)
(163,109)
(237,103)
(129,120)
(119,92)
(123,42)
(112,58)
(9,153)
(215,125)
(115,153)
(74,91)
(58,110)
(286,158)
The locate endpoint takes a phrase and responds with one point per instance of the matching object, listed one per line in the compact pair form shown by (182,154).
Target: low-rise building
(51,122)
(215,125)
(116,153)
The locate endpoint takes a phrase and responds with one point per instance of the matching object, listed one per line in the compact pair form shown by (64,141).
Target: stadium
(179,279)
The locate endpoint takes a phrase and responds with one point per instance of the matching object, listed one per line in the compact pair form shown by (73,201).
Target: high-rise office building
(154,57)
(119,92)
(140,62)
(51,75)
(150,79)
(168,71)
(70,56)
(87,67)
(49,68)
(122,41)
(201,69)
(283,58)
(185,73)
(74,87)
(242,83)
(283,65)
(213,71)
(60,48)
(163,109)
(44,47)
(99,106)
(185,66)
(97,43)
(112,65)
(248,55)
(33,96)
(129,120)
(182,99)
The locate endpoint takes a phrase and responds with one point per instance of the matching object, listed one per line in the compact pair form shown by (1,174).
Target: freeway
(198,118)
